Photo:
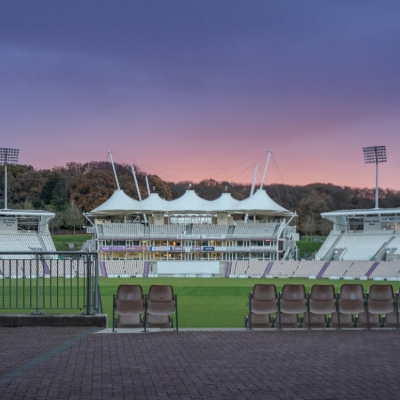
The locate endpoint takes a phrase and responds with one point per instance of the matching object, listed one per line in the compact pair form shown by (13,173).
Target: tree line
(77,187)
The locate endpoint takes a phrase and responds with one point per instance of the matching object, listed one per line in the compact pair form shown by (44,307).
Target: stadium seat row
(135,310)
(322,301)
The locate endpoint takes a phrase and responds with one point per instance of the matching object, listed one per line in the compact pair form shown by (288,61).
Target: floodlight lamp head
(375,154)
(8,156)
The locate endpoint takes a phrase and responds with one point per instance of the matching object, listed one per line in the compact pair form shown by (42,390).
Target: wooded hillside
(78,187)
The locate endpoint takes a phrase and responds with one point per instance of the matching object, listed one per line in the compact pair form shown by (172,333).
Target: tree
(58,221)
(73,217)
(161,187)
(309,210)
(90,190)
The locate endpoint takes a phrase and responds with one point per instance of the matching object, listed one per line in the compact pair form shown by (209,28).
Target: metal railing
(37,281)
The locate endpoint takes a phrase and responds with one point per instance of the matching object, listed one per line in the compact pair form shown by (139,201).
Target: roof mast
(137,188)
(115,174)
(252,188)
(265,169)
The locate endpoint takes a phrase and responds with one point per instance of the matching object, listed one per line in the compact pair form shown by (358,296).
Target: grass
(202,302)
(61,241)
(212,302)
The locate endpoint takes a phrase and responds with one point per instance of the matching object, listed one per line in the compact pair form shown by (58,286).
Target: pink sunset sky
(197,90)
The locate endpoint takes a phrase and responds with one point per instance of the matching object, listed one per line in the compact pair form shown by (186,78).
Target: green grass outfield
(213,302)
(202,302)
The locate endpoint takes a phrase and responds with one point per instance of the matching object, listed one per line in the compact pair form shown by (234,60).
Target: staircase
(323,269)
(268,269)
(103,269)
(372,269)
(231,229)
(228,269)
(146,269)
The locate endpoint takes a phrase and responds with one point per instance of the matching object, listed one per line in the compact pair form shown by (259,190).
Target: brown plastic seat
(392,319)
(288,320)
(264,299)
(316,320)
(322,299)
(128,305)
(259,321)
(293,299)
(158,321)
(351,299)
(161,302)
(346,320)
(380,299)
(129,321)
(373,320)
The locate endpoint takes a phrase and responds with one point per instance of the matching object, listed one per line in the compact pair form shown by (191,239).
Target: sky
(191,90)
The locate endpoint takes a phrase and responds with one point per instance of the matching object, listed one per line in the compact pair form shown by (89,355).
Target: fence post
(88,289)
(37,312)
(96,293)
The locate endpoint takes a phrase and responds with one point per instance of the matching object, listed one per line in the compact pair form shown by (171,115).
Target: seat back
(264,299)
(373,320)
(316,320)
(129,293)
(322,293)
(264,292)
(158,321)
(292,292)
(160,294)
(381,292)
(346,320)
(288,320)
(129,321)
(129,300)
(160,300)
(293,299)
(352,292)
(351,300)
(259,321)
(322,299)
(380,299)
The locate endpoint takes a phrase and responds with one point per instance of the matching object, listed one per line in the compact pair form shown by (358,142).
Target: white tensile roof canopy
(191,203)
(118,203)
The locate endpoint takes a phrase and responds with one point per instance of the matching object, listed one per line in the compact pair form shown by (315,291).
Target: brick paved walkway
(204,365)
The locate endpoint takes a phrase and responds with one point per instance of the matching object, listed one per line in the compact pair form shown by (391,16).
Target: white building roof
(27,213)
(261,203)
(224,203)
(361,212)
(154,203)
(118,203)
(191,203)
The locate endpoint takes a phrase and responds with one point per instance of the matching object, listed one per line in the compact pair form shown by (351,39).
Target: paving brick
(198,364)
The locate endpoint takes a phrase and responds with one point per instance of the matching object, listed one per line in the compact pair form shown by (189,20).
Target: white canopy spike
(137,189)
(147,184)
(115,174)
(265,169)
(252,188)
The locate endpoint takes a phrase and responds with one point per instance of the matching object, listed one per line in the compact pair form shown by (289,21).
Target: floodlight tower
(375,155)
(7,156)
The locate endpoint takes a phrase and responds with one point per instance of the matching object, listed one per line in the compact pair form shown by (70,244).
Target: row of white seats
(306,268)
(121,267)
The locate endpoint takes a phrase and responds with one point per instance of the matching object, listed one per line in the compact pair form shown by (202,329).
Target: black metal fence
(39,281)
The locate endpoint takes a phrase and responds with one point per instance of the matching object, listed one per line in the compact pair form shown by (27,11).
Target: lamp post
(7,156)
(375,155)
